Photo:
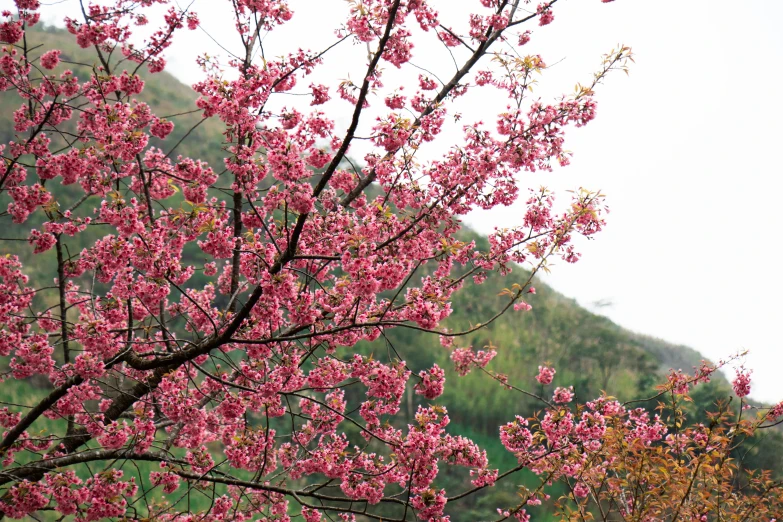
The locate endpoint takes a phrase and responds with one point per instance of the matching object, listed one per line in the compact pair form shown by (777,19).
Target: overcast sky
(686,149)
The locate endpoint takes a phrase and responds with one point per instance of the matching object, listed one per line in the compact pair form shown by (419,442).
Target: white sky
(685,149)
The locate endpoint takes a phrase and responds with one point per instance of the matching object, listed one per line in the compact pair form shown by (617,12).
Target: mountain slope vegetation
(589,351)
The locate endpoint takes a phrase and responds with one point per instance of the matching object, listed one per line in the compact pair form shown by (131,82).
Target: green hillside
(168,97)
(588,350)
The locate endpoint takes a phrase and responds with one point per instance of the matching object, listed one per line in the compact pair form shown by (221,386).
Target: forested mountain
(589,351)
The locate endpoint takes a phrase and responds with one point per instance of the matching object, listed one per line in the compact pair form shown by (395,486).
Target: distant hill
(557,329)
(589,351)
(168,97)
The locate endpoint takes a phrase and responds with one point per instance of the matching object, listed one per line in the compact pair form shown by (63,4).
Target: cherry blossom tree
(231,373)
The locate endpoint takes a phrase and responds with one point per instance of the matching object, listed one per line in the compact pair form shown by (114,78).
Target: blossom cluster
(206,317)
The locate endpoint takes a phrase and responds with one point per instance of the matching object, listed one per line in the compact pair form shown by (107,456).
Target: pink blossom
(563,395)
(741,382)
(465,359)
(50,59)
(161,128)
(432,382)
(320,94)
(581,490)
(10,32)
(545,15)
(775,412)
(545,375)
(516,436)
